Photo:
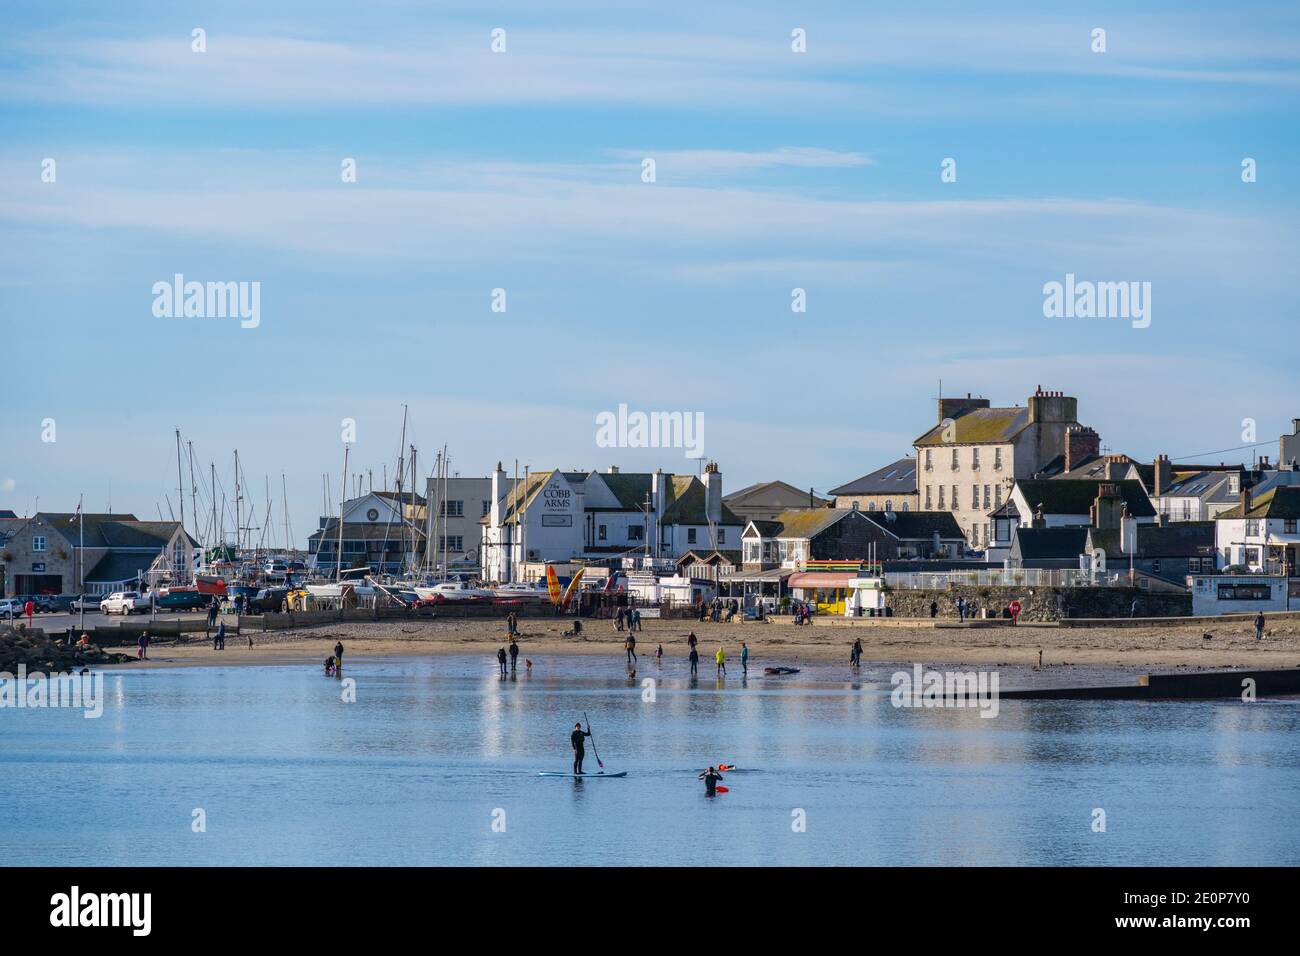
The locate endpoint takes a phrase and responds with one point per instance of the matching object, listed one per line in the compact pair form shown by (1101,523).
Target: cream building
(968,462)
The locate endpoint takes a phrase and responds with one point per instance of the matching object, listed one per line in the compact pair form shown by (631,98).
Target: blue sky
(521,170)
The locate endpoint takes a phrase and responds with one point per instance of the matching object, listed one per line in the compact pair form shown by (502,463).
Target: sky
(523,170)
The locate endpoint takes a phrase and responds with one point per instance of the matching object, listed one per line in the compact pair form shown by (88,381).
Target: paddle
(599,763)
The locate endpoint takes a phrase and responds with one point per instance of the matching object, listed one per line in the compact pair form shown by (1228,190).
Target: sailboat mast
(343,493)
(180,488)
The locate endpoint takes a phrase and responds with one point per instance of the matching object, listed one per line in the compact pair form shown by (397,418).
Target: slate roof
(913,525)
(897,478)
(980,426)
(1179,539)
(1043,544)
(113,530)
(766,529)
(363,531)
(1068,496)
(117,567)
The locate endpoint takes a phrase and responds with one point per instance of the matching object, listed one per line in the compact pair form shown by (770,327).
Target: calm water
(413,772)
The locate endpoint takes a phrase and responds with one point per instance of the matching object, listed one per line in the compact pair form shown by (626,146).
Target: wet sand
(1231,644)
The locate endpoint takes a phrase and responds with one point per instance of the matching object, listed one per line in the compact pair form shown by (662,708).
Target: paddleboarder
(579,748)
(710,778)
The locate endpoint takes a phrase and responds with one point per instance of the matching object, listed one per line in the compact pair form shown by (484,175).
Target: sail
(571,589)
(553,585)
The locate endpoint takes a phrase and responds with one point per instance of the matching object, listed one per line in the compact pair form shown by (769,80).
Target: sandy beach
(1161,647)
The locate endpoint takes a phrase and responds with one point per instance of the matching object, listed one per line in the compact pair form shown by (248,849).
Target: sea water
(436,762)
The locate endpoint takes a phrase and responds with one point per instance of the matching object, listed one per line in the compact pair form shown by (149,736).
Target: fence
(1001,577)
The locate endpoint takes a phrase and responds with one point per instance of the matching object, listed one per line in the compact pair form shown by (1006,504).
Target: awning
(823,579)
(771,576)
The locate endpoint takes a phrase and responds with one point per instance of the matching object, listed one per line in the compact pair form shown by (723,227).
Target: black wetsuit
(514,653)
(710,778)
(579,751)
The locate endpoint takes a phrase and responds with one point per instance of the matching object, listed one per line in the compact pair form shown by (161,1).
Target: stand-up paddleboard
(581,776)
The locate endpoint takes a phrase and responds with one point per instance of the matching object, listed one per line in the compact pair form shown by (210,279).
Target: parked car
(11,607)
(182,600)
(124,602)
(86,602)
(268,600)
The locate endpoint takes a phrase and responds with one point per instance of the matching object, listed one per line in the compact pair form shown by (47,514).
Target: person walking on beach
(934,609)
(338,655)
(961,609)
(710,778)
(695,662)
(501,660)
(514,653)
(618,620)
(579,748)
(142,646)
(855,655)
(659,655)
(219,642)
(691,640)
(636,619)
(630,646)
(1259,626)
(721,658)
(744,658)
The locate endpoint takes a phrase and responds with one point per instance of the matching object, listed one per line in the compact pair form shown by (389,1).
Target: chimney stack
(1164,474)
(1081,445)
(713,492)
(1108,510)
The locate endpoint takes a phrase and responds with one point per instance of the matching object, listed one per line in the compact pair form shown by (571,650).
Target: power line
(1222,451)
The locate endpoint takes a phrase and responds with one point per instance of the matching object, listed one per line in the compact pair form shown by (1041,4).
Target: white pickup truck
(124,602)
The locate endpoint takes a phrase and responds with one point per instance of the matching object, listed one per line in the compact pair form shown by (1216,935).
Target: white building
(1260,533)
(558,516)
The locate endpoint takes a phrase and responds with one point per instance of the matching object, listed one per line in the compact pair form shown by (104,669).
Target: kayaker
(710,778)
(579,749)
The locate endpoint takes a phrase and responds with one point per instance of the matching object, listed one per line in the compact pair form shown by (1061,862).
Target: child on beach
(329,667)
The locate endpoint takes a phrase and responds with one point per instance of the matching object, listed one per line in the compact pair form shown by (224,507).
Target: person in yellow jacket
(721,658)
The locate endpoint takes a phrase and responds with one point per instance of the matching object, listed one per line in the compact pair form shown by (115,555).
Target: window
(986,534)
(927,497)
(453,509)
(986,496)
(722,536)
(1244,592)
(1252,528)
(487,506)
(941,504)
(997,459)
(1155,565)
(451,542)
(975,458)
(955,506)
(751,552)
(871,506)
(1234,484)
(997,496)
(690,535)
(929,460)
(635,533)
(602,532)
(956,465)
(907,506)
(889,505)
(974,496)
(1288,526)
(38,542)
